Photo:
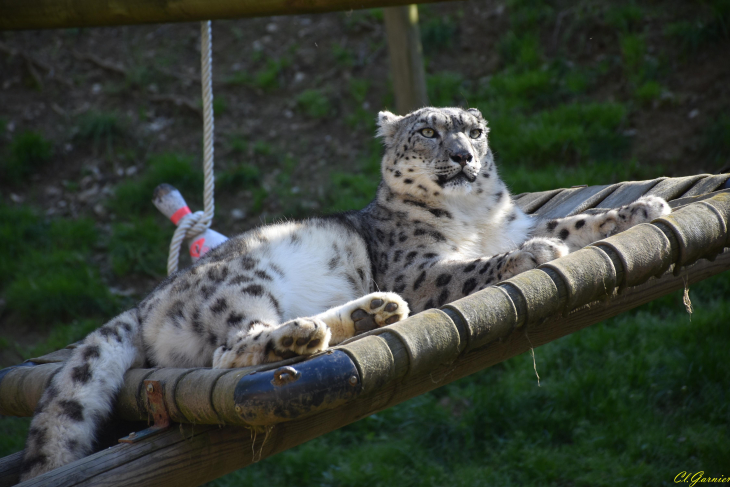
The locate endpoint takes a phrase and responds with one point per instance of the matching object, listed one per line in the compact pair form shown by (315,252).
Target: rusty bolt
(285,375)
(353,380)
(150,388)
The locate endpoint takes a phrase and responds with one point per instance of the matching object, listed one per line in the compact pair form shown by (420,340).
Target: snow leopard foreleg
(437,282)
(584,229)
(304,336)
(80,396)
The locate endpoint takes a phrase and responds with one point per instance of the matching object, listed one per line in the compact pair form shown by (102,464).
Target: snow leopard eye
(475,133)
(428,133)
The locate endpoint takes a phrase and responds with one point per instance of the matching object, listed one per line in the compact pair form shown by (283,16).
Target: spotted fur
(443,225)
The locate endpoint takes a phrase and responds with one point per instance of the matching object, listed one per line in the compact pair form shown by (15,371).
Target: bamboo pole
(53,14)
(406,58)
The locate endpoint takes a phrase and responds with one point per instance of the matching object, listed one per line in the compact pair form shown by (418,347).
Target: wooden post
(406,58)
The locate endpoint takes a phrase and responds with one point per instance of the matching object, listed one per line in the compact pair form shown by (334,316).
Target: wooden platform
(231,418)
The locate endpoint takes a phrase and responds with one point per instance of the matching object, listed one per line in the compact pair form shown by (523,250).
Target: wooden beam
(406,58)
(54,14)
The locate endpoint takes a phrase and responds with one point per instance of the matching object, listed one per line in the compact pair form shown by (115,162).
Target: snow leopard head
(434,150)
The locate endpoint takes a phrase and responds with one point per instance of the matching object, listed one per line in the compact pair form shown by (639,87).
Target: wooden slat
(530,202)
(628,192)
(10,469)
(706,185)
(57,356)
(672,188)
(680,202)
(573,201)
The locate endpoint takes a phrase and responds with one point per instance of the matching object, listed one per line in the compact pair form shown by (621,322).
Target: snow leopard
(442,225)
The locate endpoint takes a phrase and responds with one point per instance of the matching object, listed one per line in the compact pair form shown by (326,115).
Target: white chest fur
(482,227)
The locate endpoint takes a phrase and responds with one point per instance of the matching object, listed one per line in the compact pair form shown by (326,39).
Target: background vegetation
(587,92)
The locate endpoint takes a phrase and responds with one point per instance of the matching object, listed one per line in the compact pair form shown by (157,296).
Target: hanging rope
(198,222)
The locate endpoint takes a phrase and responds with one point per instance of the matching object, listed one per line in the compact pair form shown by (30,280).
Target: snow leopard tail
(80,397)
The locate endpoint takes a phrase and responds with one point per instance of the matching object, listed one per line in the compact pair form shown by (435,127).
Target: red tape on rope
(177,216)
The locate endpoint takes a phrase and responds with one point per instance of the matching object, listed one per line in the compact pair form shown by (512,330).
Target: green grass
(13,432)
(102,130)
(716,141)
(139,247)
(29,153)
(521,51)
(267,78)
(56,286)
(242,176)
(237,145)
(64,334)
(649,92)
(712,24)
(522,178)
(220,106)
(314,103)
(571,133)
(437,32)
(22,231)
(45,272)
(343,56)
(20,228)
(353,190)
(134,197)
(625,17)
(357,117)
(445,89)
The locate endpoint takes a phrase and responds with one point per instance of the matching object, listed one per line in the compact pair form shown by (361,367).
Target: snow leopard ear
(387,124)
(477,114)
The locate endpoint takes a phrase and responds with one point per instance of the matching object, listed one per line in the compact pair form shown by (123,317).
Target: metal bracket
(155,406)
(302,389)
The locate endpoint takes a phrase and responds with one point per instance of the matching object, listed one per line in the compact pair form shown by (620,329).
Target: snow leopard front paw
(377,310)
(533,253)
(302,336)
(645,209)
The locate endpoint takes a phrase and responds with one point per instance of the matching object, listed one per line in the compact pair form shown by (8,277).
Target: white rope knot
(191,225)
(198,222)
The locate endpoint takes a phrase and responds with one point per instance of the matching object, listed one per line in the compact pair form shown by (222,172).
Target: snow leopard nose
(461,157)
